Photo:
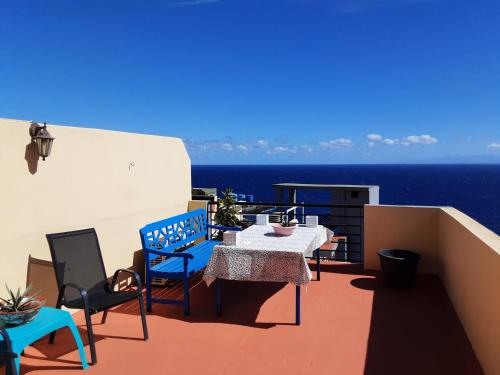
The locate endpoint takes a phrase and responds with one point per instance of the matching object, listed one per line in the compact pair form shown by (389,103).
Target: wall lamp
(40,135)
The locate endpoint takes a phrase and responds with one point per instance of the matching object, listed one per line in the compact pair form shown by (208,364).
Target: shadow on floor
(339,267)
(241,302)
(415,331)
(65,344)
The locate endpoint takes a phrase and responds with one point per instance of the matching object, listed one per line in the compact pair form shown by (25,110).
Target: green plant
(227,212)
(18,301)
(290,223)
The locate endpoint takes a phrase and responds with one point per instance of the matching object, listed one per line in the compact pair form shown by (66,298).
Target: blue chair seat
(102,302)
(174,267)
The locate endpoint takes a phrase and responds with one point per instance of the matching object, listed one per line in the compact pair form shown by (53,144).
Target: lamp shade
(44,143)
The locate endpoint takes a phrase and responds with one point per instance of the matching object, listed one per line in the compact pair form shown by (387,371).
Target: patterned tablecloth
(262,256)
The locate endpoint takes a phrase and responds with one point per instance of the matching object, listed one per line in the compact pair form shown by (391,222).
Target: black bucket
(399,267)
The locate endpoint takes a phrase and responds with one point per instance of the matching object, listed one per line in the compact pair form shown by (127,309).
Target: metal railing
(345,220)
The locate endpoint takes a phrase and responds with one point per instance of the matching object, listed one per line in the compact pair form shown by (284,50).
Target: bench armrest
(169,255)
(221,227)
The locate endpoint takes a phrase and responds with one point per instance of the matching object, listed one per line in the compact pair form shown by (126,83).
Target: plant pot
(18,318)
(399,267)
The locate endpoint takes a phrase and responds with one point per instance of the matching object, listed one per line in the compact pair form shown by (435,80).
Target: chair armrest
(169,255)
(221,227)
(134,274)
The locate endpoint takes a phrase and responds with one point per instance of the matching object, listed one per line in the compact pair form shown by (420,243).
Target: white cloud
(262,143)
(391,142)
(494,145)
(337,143)
(424,139)
(374,137)
(227,146)
(278,150)
(306,148)
(243,148)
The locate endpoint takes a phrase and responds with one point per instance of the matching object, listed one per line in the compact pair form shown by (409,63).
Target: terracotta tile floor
(351,324)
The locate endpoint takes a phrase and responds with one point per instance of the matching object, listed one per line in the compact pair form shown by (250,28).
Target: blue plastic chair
(47,320)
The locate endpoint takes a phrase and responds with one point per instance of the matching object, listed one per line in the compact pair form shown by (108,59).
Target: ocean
(473,189)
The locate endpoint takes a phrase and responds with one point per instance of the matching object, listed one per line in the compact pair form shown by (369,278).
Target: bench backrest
(175,232)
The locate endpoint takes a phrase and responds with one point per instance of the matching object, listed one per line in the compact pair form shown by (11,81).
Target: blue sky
(275,81)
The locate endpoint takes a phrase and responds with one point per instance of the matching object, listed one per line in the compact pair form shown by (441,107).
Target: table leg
(318,264)
(297,305)
(218,293)
(79,343)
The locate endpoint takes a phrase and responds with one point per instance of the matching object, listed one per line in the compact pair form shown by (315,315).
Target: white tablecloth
(262,256)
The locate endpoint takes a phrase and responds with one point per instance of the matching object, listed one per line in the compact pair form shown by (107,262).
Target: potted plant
(227,212)
(19,308)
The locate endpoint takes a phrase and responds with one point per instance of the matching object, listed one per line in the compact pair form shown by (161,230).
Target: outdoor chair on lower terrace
(82,280)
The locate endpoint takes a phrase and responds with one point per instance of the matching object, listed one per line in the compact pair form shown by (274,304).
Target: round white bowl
(283,231)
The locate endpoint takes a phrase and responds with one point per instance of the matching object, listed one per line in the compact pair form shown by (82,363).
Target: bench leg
(218,297)
(186,296)
(297,305)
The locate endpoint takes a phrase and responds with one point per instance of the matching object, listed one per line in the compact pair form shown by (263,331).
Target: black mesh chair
(82,279)
(7,356)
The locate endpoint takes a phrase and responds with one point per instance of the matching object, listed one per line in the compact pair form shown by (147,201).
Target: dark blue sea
(473,189)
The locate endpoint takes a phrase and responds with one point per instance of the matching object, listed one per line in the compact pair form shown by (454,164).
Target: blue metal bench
(174,240)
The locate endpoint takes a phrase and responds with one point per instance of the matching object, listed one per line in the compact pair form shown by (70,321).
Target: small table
(47,320)
(261,255)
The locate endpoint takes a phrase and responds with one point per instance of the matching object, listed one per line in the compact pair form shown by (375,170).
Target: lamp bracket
(35,128)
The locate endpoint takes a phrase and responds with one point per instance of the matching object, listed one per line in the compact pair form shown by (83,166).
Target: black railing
(345,220)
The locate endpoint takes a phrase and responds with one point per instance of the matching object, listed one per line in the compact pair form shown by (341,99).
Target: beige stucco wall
(465,255)
(113,181)
(403,227)
(470,271)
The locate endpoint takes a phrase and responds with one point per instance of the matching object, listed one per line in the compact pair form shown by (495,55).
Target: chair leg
(143,317)
(104,316)
(90,333)
(186,296)
(148,293)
